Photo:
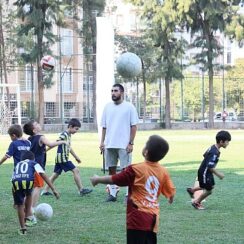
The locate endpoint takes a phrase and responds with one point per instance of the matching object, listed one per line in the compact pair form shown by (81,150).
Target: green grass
(90,220)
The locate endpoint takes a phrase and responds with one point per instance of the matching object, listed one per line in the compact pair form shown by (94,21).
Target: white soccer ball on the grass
(129,65)
(47,63)
(112,190)
(44,211)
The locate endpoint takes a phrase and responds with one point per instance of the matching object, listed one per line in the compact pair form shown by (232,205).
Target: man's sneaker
(111,198)
(46,193)
(197,206)
(22,232)
(30,222)
(85,191)
(190,192)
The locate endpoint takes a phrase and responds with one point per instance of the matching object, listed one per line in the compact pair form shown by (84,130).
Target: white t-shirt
(118,119)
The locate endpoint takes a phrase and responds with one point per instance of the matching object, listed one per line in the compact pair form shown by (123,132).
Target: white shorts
(115,155)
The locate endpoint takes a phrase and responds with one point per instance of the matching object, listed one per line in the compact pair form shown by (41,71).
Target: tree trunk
(3,57)
(211,98)
(40,117)
(167,104)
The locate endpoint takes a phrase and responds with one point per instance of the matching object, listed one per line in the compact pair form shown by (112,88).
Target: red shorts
(38,180)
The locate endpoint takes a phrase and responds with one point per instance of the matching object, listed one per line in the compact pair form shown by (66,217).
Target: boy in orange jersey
(146,181)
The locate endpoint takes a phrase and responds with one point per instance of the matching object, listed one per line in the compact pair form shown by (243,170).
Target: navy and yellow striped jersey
(63,150)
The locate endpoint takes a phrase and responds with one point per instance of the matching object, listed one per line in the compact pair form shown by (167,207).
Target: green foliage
(235,84)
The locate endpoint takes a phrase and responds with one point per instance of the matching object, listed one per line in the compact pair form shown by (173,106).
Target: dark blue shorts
(206,181)
(67,166)
(20,190)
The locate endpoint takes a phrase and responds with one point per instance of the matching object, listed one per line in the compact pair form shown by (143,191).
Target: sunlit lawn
(90,220)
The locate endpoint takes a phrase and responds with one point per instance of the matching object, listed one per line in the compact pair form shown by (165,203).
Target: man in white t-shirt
(119,125)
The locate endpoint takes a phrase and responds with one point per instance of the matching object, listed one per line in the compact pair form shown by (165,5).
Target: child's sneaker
(111,198)
(197,206)
(85,191)
(22,232)
(46,193)
(189,190)
(29,222)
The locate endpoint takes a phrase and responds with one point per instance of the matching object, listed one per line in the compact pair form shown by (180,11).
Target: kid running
(22,184)
(146,181)
(207,169)
(62,162)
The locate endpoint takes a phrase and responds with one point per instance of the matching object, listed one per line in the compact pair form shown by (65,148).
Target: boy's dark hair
(119,86)
(74,123)
(27,155)
(223,135)
(15,130)
(28,128)
(156,148)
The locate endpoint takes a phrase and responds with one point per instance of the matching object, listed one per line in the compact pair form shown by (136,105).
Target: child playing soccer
(22,184)
(207,170)
(17,146)
(62,162)
(146,181)
(38,147)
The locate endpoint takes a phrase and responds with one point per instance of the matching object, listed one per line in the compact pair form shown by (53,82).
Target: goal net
(10,110)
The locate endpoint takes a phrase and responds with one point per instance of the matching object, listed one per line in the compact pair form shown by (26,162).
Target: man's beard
(115,99)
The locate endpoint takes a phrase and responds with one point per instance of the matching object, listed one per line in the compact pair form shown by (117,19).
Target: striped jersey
(63,150)
(24,170)
(146,182)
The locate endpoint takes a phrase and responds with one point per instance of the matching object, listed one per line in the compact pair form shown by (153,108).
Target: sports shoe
(47,193)
(111,198)
(85,191)
(190,192)
(22,232)
(30,222)
(197,206)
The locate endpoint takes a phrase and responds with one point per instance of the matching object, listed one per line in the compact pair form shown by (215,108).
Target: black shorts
(206,181)
(20,190)
(67,166)
(141,236)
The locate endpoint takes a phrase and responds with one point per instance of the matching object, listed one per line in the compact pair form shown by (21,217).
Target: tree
(204,19)
(91,9)
(161,24)
(7,48)
(38,17)
(144,48)
(235,85)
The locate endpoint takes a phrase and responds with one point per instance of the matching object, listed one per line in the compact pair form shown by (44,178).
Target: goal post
(10,106)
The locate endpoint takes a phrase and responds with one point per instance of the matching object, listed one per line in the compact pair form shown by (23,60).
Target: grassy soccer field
(90,219)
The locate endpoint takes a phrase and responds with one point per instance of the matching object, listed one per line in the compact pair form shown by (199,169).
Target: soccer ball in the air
(44,211)
(129,65)
(47,62)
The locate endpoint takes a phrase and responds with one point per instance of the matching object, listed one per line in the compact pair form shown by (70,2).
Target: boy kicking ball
(207,170)
(22,182)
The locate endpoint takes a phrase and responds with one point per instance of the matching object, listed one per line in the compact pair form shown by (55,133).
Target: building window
(70,109)
(66,42)
(67,80)
(25,79)
(51,110)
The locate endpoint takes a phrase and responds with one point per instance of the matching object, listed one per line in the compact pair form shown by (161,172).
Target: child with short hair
(22,185)
(38,147)
(207,170)
(17,146)
(146,181)
(62,162)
